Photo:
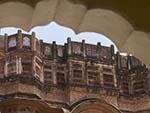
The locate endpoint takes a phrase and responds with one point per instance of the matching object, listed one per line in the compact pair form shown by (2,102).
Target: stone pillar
(69,46)
(20,69)
(54,72)
(118,61)
(33,41)
(130,86)
(83,48)
(6,42)
(129,62)
(98,50)
(41,48)
(33,65)
(112,53)
(54,50)
(70,73)
(42,74)
(114,76)
(101,75)
(17,65)
(19,39)
(6,69)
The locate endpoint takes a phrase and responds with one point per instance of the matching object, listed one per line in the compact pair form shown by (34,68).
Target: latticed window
(77,76)
(47,51)
(108,80)
(2,63)
(60,78)
(48,74)
(76,48)
(91,50)
(93,78)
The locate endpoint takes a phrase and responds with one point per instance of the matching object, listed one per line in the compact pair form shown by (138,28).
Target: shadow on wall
(58,33)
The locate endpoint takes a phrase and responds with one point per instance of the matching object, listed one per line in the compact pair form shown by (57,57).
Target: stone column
(112,54)
(54,73)
(69,51)
(33,41)
(83,48)
(54,50)
(6,69)
(17,65)
(130,86)
(98,50)
(101,75)
(19,39)
(6,42)
(20,69)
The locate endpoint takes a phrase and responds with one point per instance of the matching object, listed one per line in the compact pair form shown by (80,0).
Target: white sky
(55,32)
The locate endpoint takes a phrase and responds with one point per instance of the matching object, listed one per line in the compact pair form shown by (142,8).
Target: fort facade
(39,77)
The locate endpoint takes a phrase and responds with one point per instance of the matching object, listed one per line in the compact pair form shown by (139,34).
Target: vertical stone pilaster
(54,72)
(17,65)
(101,75)
(20,65)
(54,50)
(19,39)
(112,54)
(33,41)
(98,50)
(41,48)
(83,48)
(114,76)
(70,73)
(69,49)
(33,65)
(6,69)
(42,74)
(6,42)
(130,86)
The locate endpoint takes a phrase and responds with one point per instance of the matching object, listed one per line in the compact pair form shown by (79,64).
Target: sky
(58,33)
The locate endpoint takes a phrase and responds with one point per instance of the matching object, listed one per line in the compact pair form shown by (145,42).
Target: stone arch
(79,18)
(30,106)
(93,105)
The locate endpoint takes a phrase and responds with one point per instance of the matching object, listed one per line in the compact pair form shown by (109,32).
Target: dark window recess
(48,77)
(77,65)
(27,67)
(60,68)
(60,78)
(47,67)
(77,76)
(108,80)
(12,68)
(93,78)
(107,69)
(139,85)
(2,67)
(12,48)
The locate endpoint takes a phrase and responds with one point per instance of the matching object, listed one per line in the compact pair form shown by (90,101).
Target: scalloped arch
(80,19)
